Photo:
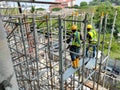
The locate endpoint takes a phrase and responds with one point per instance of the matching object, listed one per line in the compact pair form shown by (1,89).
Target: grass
(113,55)
(115,49)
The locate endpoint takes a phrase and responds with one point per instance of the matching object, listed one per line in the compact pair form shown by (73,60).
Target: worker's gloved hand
(68,40)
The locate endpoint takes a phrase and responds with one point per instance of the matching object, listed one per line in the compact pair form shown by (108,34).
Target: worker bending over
(74,45)
(92,39)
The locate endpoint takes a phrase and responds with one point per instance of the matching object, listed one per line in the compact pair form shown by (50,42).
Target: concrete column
(7,74)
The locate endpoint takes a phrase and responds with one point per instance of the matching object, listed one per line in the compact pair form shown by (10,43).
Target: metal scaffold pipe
(49,33)
(61,53)
(104,35)
(98,43)
(111,36)
(36,49)
(84,49)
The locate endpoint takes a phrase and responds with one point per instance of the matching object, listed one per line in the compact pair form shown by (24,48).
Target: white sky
(77,2)
(46,6)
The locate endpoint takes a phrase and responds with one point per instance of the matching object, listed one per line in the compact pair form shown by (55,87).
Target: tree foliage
(106,8)
(95,2)
(76,6)
(32,9)
(40,9)
(82,4)
(116,1)
(56,9)
(118,19)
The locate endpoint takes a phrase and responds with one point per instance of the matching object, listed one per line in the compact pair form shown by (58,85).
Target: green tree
(118,19)
(115,1)
(94,3)
(83,4)
(76,6)
(32,9)
(40,9)
(56,9)
(104,7)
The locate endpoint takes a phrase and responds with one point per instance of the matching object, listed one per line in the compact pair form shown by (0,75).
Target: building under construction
(33,58)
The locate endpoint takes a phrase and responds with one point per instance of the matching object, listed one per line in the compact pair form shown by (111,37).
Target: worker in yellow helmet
(74,45)
(92,39)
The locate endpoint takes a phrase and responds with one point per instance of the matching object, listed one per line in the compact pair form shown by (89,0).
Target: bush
(40,9)
(56,9)
(76,7)
(115,47)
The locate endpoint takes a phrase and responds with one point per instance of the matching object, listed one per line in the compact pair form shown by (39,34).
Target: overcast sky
(46,6)
(77,2)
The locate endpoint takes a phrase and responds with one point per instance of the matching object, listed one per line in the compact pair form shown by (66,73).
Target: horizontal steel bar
(32,1)
(11,22)
(72,20)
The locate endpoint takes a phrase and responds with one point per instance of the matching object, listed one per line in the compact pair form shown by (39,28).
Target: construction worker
(74,45)
(92,39)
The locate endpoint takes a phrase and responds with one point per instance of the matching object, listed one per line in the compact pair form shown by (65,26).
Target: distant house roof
(64,3)
(64,0)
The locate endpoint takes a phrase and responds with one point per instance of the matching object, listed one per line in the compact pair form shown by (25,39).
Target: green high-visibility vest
(76,39)
(93,35)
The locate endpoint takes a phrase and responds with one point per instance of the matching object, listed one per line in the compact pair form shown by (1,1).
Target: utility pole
(71,3)
(20,9)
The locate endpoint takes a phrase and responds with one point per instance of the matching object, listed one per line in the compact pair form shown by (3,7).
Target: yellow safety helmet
(74,27)
(89,26)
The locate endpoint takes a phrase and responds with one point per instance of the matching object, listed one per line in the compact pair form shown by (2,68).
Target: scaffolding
(41,60)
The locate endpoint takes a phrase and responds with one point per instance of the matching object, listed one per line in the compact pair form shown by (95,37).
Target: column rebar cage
(41,60)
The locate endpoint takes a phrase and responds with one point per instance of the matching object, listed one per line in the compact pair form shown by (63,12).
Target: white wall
(73,3)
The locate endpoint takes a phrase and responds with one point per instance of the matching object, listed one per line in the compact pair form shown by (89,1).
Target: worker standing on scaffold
(74,45)
(92,39)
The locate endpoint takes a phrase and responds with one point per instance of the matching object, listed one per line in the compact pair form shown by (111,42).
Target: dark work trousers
(94,50)
(76,50)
